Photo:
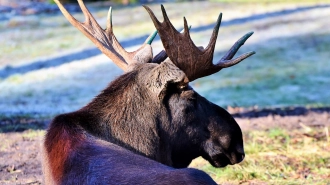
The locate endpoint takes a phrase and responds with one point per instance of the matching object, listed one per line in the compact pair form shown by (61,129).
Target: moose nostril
(242,157)
(239,157)
(236,157)
(240,149)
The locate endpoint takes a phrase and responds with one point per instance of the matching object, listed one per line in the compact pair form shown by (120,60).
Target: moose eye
(183,86)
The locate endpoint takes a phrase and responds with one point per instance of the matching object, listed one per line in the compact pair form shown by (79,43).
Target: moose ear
(142,55)
(165,73)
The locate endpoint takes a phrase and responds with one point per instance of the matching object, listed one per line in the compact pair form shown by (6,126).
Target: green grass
(286,70)
(271,1)
(290,66)
(278,156)
(31,37)
(289,71)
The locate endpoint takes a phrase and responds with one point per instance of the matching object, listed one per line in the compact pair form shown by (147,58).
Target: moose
(149,124)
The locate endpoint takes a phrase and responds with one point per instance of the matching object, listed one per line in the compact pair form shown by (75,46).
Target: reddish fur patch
(60,142)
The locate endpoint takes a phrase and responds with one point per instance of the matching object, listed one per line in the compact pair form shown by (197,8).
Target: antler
(195,62)
(106,41)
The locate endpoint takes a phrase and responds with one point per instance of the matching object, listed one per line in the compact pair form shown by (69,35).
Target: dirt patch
(285,118)
(20,160)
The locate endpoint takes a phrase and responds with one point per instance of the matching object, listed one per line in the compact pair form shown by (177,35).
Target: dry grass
(278,156)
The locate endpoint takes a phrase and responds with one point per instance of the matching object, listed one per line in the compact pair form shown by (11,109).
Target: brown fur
(60,143)
(149,111)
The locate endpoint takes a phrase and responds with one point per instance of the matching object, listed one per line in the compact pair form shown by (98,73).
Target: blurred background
(280,96)
(48,67)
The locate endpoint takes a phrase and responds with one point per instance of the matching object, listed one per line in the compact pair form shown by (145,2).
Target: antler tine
(210,47)
(185,27)
(156,22)
(230,54)
(109,31)
(105,40)
(151,37)
(85,11)
(109,21)
(226,60)
(67,15)
(194,61)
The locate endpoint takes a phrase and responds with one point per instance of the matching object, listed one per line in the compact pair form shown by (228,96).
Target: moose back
(148,124)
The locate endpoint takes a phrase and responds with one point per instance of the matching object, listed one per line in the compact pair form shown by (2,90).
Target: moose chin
(148,125)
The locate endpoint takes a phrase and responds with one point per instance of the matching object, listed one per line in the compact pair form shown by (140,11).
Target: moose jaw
(148,124)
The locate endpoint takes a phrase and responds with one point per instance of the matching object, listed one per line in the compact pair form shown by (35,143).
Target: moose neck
(126,116)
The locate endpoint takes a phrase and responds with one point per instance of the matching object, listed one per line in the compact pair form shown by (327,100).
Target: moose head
(151,110)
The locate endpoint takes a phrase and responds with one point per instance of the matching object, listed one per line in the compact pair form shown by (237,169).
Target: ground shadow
(21,123)
(286,111)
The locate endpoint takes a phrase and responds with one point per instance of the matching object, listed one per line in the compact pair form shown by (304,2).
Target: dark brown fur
(149,112)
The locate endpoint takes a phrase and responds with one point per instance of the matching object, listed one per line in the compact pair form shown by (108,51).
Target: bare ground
(20,160)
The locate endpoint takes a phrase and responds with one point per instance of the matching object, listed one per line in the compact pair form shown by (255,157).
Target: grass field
(279,156)
(291,68)
(271,1)
(29,37)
